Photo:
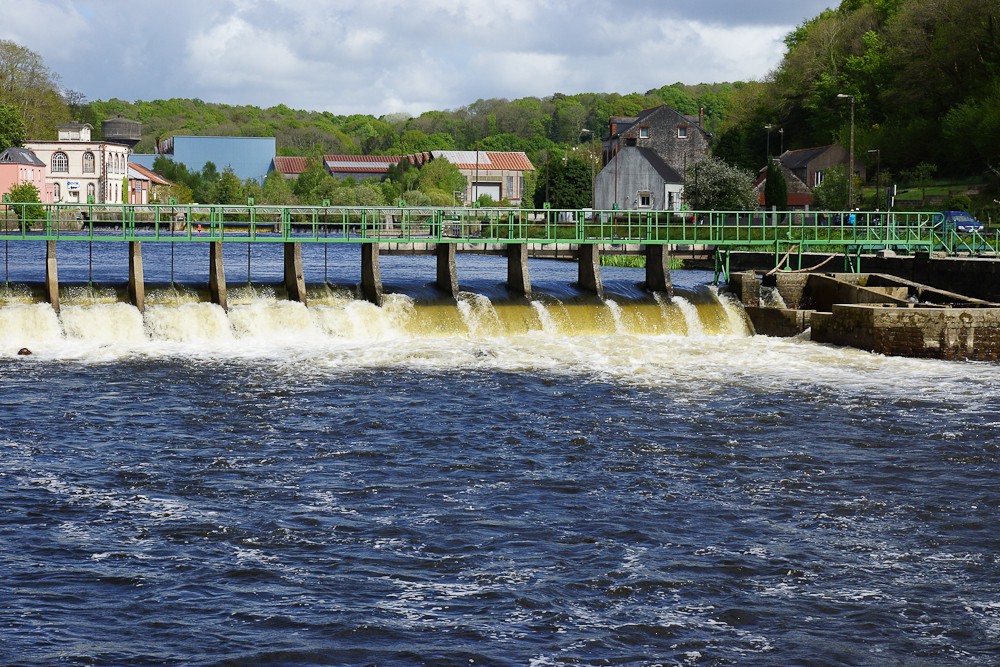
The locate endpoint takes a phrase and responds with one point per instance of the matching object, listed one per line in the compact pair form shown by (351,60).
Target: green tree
(11,127)
(831,194)
(33,89)
(278,190)
(775,187)
(230,190)
(26,193)
(920,176)
(440,174)
(711,184)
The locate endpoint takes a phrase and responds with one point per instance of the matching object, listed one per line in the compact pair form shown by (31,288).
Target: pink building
(20,165)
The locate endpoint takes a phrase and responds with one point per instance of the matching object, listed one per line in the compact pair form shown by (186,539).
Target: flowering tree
(711,184)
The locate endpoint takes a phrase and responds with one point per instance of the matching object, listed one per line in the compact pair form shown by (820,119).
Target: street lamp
(850,175)
(878,177)
(781,131)
(768,127)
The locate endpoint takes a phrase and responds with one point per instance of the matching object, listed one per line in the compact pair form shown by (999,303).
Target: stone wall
(938,333)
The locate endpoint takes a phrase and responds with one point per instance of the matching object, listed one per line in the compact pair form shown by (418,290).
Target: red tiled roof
(368,164)
(150,174)
(291,165)
(487,160)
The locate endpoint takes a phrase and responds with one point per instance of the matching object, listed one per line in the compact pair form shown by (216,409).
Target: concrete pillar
(295,282)
(136,284)
(746,287)
(447,271)
(658,269)
(517,268)
(590,268)
(217,275)
(51,276)
(371,277)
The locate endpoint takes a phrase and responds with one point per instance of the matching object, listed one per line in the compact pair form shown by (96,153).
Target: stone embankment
(872,311)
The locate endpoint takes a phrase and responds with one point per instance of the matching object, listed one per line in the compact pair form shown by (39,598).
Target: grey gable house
(636,179)
(645,157)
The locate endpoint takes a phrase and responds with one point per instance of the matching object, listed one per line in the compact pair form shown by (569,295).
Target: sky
(387,56)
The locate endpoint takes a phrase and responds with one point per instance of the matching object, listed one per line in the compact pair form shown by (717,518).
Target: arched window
(91,190)
(60,162)
(116,164)
(55,191)
(88,163)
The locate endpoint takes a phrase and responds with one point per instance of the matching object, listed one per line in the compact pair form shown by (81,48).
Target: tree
(711,184)
(775,187)
(34,90)
(26,193)
(11,127)
(831,194)
(230,189)
(920,176)
(440,174)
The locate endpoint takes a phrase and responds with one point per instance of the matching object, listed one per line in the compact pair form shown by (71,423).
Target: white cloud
(382,56)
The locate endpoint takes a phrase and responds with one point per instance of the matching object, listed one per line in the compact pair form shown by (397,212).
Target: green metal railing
(786,234)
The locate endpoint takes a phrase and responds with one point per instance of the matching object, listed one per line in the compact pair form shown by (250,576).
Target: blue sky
(384,56)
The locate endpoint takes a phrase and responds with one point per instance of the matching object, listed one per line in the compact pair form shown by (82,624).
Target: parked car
(959,221)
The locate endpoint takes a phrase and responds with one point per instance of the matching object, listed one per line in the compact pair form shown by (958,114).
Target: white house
(78,168)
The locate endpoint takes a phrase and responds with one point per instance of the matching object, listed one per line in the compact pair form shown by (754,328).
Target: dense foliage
(924,74)
(28,86)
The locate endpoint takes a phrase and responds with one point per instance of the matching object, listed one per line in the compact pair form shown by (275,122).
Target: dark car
(959,221)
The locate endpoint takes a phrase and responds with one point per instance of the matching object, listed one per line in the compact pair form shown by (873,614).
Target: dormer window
(682,132)
(644,133)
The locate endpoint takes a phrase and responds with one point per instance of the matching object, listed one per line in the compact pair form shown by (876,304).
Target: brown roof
(290,165)
(368,164)
(149,173)
(510,161)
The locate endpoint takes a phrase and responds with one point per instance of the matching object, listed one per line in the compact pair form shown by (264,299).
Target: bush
(958,203)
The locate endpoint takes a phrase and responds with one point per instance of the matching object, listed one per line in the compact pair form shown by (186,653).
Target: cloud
(395,55)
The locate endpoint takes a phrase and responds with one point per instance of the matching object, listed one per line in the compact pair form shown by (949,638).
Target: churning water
(498,481)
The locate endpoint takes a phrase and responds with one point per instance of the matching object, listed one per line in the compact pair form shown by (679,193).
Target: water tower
(122,131)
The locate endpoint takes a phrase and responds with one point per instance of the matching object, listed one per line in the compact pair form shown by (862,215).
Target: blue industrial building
(250,157)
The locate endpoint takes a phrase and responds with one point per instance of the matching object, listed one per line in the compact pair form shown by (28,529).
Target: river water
(493,481)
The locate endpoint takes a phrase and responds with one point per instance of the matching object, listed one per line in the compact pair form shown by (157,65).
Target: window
(644,200)
(644,133)
(630,141)
(60,162)
(510,187)
(817,178)
(521,184)
(91,190)
(116,164)
(682,132)
(55,191)
(88,163)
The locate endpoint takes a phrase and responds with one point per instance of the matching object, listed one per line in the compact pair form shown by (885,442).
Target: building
(289,167)
(805,168)
(675,139)
(360,167)
(638,179)
(498,174)
(20,165)
(810,164)
(78,168)
(249,157)
(146,186)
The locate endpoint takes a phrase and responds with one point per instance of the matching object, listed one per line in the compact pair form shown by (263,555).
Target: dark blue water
(534,500)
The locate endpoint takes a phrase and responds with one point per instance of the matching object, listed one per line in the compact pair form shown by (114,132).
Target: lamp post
(850,174)
(878,177)
(781,131)
(768,127)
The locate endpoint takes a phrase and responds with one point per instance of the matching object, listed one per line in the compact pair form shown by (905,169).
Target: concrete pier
(590,268)
(136,284)
(658,269)
(295,283)
(447,270)
(371,277)
(517,269)
(51,275)
(217,275)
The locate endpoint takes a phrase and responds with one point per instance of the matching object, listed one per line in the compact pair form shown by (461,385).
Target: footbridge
(444,232)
